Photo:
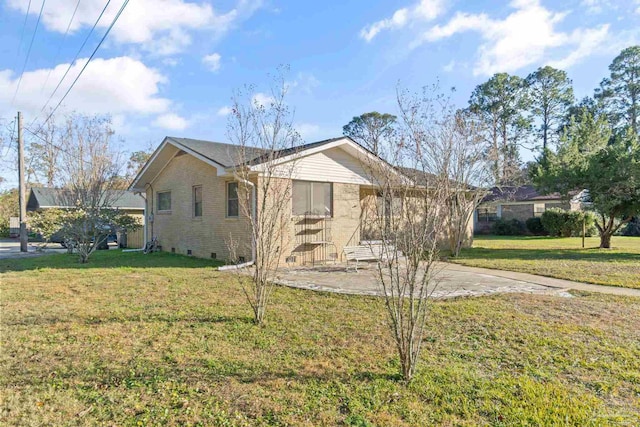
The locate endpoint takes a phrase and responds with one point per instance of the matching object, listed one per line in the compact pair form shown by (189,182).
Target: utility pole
(22,191)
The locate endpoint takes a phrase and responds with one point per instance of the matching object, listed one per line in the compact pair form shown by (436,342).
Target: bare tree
(90,166)
(409,220)
(261,128)
(7,161)
(458,161)
(44,153)
(465,176)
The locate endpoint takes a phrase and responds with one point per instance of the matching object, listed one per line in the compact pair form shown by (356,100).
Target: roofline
(331,143)
(172,141)
(196,154)
(146,165)
(34,190)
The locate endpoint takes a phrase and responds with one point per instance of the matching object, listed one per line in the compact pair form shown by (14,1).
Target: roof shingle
(45,197)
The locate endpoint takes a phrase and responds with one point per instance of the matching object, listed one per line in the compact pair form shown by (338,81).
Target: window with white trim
(233,205)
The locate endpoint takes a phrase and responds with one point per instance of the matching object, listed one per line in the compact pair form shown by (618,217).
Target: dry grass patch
(146,344)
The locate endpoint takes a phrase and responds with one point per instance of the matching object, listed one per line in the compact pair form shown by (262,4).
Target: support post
(584,230)
(22,190)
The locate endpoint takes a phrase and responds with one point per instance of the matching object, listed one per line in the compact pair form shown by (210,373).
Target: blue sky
(169,66)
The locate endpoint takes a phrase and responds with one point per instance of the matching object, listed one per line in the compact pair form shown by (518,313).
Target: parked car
(112,237)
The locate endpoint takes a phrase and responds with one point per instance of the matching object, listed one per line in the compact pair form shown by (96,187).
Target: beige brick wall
(179,229)
(211,233)
(341,229)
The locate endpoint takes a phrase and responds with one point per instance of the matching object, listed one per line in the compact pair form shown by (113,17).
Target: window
(197,201)
(164,201)
(315,198)
(488,214)
(538,209)
(232,199)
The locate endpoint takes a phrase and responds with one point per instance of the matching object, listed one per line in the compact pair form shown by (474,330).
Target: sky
(169,67)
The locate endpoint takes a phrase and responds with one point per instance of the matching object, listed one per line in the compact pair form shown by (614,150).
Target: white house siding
(334,165)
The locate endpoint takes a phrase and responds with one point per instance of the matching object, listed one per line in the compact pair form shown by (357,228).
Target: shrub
(4,229)
(632,228)
(511,227)
(559,222)
(534,225)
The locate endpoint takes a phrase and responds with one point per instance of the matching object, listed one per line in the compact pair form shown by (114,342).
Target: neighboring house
(127,201)
(519,203)
(193,205)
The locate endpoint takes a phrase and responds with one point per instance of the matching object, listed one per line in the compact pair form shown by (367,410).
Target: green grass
(163,339)
(563,258)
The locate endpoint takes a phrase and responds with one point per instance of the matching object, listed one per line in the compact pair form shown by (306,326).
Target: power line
(24,26)
(24,67)
(57,147)
(55,58)
(86,39)
(115,19)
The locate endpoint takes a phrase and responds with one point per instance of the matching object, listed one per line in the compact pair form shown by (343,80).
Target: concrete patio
(453,281)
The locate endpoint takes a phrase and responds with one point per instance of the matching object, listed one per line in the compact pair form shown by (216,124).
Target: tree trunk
(407,368)
(605,239)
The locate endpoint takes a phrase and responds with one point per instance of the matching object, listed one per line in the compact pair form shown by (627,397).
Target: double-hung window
(197,201)
(164,201)
(312,198)
(232,200)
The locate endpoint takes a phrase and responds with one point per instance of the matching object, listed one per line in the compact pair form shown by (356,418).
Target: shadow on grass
(141,318)
(107,259)
(588,254)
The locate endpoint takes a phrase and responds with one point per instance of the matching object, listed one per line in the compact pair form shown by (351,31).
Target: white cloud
(159,26)
(526,36)
(588,41)
(119,86)
(595,7)
(449,67)
(171,62)
(212,61)
(224,111)
(424,10)
(262,100)
(171,121)
(304,82)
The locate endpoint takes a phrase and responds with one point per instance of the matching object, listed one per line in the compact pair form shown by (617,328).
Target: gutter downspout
(146,220)
(254,209)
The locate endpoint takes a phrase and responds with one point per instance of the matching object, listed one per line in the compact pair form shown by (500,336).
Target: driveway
(453,281)
(10,248)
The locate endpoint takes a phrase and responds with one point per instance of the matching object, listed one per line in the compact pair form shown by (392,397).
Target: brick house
(521,203)
(192,200)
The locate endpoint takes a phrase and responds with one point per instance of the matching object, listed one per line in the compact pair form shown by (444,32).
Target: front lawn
(161,339)
(563,258)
